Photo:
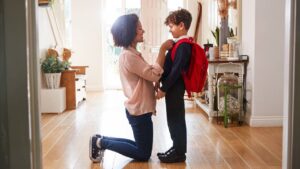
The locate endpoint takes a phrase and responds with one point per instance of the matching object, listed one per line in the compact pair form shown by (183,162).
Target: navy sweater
(173,70)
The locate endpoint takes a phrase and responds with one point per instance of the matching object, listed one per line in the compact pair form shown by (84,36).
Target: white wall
(46,37)
(263,40)
(248,47)
(86,40)
(205,33)
(192,7)
(51,27)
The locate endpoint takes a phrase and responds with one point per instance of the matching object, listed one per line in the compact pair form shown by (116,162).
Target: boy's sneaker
(168,151)
(96,152)
(172,157)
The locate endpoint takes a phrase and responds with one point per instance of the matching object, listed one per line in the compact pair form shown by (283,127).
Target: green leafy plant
(216,34)
(66,64)
(231,33)
(53,65)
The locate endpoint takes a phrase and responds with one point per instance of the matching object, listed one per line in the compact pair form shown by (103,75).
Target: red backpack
(195,77)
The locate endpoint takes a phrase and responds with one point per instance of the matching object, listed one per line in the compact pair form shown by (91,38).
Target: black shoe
(95,151)
(172,157)
(160,154)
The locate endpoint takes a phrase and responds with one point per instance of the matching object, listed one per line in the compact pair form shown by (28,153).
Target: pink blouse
(137,78)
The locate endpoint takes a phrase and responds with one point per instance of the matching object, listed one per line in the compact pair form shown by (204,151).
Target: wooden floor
(65,139)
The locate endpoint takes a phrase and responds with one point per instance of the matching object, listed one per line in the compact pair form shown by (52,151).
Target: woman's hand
(168,44)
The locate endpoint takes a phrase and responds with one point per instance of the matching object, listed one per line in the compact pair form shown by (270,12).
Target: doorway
(111,53)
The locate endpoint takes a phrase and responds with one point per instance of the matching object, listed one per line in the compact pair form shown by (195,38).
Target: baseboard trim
(94,89)
(265,121)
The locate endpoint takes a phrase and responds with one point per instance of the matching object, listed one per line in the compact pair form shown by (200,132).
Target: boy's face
(177,30)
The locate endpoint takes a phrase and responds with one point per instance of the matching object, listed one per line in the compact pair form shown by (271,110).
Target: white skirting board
(264,121)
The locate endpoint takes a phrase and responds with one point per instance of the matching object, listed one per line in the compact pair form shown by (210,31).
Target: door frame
(19,88)
(291,135)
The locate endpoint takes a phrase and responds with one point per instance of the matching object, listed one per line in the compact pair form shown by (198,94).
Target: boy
(173,88)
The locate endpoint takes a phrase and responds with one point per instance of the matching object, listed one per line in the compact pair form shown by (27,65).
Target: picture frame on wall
(45,2)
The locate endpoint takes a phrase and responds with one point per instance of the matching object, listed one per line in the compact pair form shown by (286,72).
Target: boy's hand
(160,94)
(156,86)
(168,44)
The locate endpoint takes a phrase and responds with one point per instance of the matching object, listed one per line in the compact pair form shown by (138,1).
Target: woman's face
(139,33)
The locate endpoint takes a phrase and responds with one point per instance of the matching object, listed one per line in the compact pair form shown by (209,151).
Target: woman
(137,78)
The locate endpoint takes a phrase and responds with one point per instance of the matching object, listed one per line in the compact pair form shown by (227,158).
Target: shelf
(203,106)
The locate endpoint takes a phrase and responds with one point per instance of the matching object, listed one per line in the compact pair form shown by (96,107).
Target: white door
(153,14)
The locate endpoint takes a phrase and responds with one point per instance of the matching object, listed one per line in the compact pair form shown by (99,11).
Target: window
(111,11)
(175,4)
(213,17)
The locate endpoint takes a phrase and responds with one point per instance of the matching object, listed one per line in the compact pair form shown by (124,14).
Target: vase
(52,80)
(224,32)
(214,53)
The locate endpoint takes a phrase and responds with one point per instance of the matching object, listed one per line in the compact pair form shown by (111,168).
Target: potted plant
(52,68)
(214,51)
(216,33)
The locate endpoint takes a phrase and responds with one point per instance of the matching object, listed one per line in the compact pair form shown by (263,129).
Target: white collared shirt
(181,37)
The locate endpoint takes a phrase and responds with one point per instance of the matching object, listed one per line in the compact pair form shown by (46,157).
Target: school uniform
(173,86)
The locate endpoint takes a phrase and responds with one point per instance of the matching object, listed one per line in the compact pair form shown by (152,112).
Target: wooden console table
(75,82)
(215,66)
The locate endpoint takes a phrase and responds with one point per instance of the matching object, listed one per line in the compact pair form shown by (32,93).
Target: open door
(153,14)
(111,53)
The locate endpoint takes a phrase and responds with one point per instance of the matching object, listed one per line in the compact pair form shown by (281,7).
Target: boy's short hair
(181,15)
(124,30)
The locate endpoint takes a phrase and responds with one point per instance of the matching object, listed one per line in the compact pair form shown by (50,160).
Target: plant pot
(52,80)
(214,53)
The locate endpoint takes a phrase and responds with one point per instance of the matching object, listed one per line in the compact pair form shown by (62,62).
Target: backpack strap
(184,40)
(189,40)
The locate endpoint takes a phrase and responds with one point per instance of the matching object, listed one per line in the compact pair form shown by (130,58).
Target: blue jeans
(141,148)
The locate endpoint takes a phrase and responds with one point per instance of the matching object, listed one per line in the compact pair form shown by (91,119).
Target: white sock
(98,143)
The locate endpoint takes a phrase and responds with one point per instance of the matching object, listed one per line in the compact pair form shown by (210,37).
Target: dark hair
(124,30)
(181,15)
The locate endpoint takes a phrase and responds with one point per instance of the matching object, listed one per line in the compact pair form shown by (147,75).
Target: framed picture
(45,2)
